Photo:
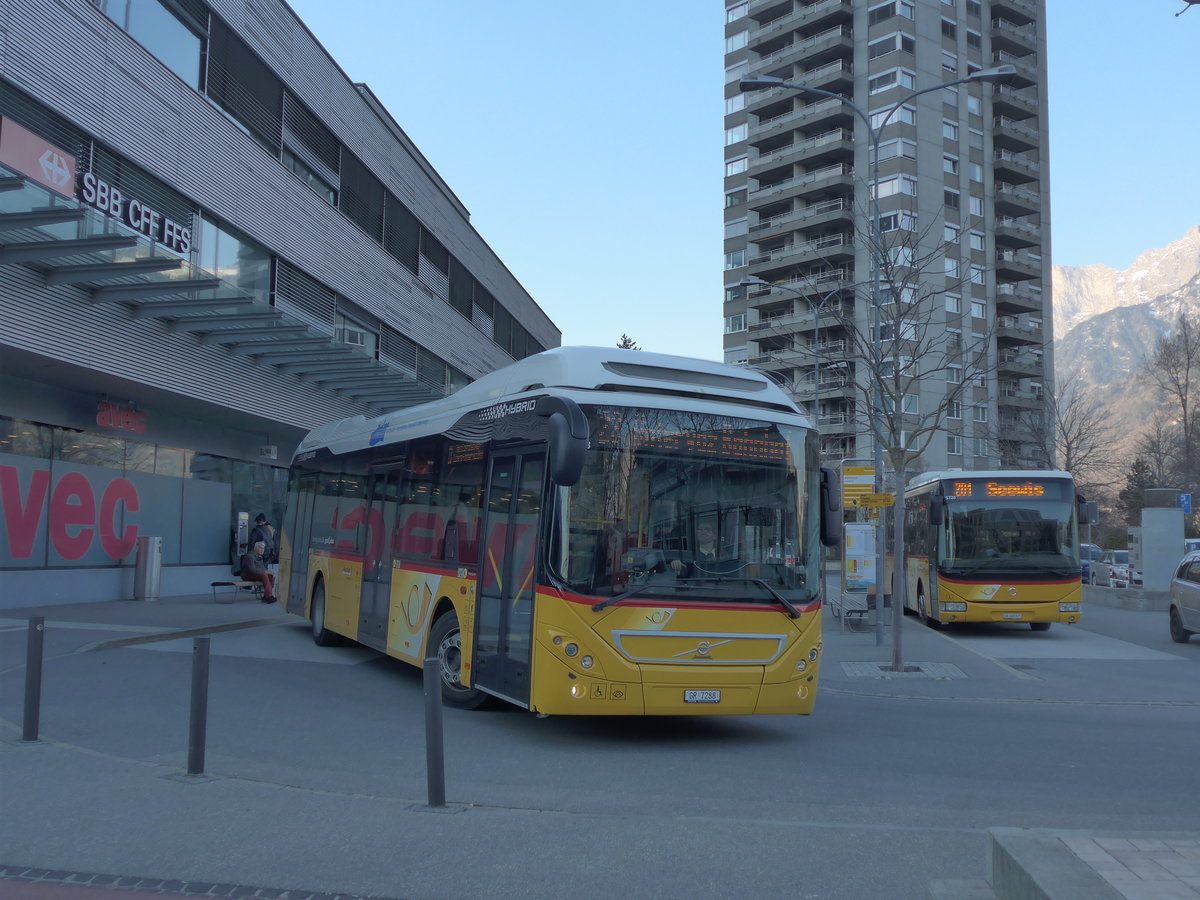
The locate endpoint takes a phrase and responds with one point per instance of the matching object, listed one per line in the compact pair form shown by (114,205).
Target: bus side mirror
(831,521)
(936,506)
(568,435)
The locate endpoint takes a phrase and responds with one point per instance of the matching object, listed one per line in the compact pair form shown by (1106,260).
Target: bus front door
(507,574)
(298,526)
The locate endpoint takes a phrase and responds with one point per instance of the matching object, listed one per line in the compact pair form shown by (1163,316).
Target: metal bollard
(198,724)
(33,677)
(435,762)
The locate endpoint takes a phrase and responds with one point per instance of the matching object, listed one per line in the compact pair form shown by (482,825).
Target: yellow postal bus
(999,546)
(587,531)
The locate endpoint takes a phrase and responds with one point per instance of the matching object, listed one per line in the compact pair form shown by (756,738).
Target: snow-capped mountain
(1108,324)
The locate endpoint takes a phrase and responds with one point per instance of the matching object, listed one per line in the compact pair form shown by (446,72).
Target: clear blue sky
(588,147)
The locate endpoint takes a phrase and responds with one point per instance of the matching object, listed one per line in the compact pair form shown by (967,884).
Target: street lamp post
(992,75)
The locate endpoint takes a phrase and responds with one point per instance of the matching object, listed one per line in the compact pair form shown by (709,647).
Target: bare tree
(1175,371)
(628,343)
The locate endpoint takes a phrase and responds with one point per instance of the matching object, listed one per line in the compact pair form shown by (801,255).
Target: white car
(1113,569)
(1184,612)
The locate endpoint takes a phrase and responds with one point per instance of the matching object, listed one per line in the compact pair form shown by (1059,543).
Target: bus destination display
(998,489)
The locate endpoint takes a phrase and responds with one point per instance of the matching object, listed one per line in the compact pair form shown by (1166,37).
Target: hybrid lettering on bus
(999,546)
(586,531)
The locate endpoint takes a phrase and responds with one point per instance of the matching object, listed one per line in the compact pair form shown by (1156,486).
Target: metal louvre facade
(243,250)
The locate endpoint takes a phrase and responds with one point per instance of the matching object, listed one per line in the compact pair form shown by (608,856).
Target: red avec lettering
(21,519)
(72,505)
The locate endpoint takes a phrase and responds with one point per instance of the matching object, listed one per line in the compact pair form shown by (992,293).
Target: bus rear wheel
(1040,626)
(445,640)
(322,636)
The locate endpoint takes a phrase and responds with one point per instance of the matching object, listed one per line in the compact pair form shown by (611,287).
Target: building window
(738,11)
(161,32)
(980,413)
(974,8)
(977,240)
(949,130)
(885,81)
(904,115)
(355,334)
(950,233)
(735,323)
(736,103)
(234,259)
(975,172)
(950,64)
(736,227)
(951,267)
(889,43)
(981,447)
(950,164)
(953,374)
(735,134)
(885,11)
(953,445)
(953,303)
(897,147)
(309,177)
(736,71)
(735,41)
(949,28)
(976,205)
(978,309)
(978,275)
(896,221)
(735,198)
(974,105)
(735,260)
(736,166)
(951,199)
(975,39)
(897,184)
(953,409)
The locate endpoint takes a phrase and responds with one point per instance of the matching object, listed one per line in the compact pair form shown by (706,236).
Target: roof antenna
(1188,5)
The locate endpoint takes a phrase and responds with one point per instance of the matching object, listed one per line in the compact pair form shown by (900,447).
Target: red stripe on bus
(1000,581)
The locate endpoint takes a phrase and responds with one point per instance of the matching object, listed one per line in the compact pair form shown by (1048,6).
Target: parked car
(1112,570)
(1184,611)
(1088,554)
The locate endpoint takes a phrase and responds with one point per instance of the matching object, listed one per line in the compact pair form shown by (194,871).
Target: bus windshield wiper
(783,601)
(617,598)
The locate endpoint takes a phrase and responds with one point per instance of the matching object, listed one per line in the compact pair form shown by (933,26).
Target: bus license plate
(1014,615)
(701,696)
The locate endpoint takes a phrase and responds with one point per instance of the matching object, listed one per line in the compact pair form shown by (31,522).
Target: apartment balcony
(766,9)
(822,179)
(1014,298)
(1020,12)
(1015,265)
(824,46)
(1019,39)
(1026,67)
(1011,134)
(823,212)
(812,283)
(1015,234)
(789,322)
(837,142)
(1016,168)
(1015,102)
(834,247)
(1020,364)
(1014,201)
(811,16)
(1011,332)
(1020,398)
(830,113)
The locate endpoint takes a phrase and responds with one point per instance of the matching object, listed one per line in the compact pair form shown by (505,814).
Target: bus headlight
(801,665)
(586,662)
(571,649)
(1068,607)
(953,606)
(812,654)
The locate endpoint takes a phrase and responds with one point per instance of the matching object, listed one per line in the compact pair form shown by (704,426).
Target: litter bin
(148,572)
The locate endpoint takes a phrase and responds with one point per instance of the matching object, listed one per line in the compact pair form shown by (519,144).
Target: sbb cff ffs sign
(133,212)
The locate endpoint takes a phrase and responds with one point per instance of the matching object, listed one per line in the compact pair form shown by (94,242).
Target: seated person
(706,550)
(254,568)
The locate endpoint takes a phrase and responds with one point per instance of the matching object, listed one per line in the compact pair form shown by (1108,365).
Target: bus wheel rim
(450,659)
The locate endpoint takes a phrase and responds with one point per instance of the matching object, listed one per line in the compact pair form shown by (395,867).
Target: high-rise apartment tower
(962,185)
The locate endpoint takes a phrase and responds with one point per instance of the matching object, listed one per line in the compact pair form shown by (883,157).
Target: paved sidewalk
(1143,869)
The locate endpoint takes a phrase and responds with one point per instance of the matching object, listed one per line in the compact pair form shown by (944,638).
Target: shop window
(21,438)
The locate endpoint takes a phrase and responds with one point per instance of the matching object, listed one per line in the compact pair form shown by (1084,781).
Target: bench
(252,587)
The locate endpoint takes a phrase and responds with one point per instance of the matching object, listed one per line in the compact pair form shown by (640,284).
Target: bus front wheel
(924,614)
(445,640)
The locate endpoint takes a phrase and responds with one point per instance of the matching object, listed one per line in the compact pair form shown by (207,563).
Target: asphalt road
(315,775)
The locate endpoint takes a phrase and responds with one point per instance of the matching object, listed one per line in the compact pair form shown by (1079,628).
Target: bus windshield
(1032,535)
(690,506)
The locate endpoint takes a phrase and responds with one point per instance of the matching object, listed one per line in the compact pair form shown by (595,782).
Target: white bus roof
(625,377)
(929,477)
